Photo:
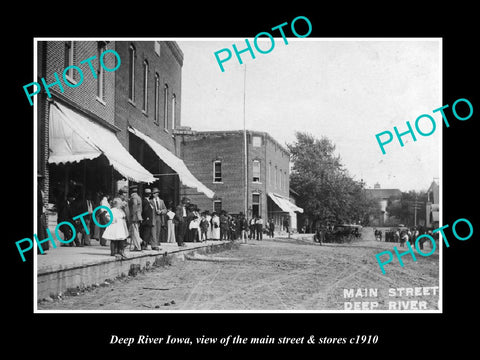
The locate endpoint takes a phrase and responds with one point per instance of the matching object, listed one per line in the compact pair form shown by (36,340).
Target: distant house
(432,206)
(381,196)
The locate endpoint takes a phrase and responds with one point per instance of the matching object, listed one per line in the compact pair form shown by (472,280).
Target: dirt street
(279,274)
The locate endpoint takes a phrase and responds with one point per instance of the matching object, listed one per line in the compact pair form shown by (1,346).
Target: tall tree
(404,208)
(326,191)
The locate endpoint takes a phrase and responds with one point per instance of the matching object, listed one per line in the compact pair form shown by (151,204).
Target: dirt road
(279,274)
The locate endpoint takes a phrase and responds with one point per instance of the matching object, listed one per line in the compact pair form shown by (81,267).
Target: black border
(404,333)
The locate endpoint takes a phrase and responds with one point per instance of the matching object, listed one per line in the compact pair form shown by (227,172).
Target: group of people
(146,221)
(402,235)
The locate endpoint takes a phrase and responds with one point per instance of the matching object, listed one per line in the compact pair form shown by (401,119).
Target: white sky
(346,89)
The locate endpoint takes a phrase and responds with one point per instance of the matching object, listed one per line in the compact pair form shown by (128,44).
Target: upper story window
(100,73)
(256,171)
(257,141)
(276,176)
(217,171)
(157,47)
(145,85)
(156,115)
(165,107)
(131,73)
(174,105)
(269,173)
(69,58)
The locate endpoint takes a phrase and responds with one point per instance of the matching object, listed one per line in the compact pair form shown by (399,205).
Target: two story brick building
(148,110)
(109,123)
(217,158)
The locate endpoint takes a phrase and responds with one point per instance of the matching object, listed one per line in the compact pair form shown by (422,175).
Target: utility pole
(245,145)
(415,213)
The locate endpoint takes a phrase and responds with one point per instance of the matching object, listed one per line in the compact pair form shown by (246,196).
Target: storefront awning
(177,164)
(285,204)
(73,137)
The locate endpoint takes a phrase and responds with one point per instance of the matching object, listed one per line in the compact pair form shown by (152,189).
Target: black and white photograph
(279,174)
(184,182)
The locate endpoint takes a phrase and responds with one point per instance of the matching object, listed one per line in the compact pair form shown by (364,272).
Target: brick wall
(277,156)
(199,153)
(85,94)
(51,59)
(201,149)
(168,65)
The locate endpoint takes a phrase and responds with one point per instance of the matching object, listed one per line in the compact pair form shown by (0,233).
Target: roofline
(235,132)
(176,50)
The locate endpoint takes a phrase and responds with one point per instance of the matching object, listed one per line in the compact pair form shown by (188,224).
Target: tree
(404,208)
(326,191)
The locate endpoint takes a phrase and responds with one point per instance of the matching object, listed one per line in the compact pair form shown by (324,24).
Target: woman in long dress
(170,226)
(215,227)
(208,217)
(117,231)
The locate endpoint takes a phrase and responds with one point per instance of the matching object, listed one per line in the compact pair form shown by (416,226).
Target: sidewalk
(67,268)
(60,258)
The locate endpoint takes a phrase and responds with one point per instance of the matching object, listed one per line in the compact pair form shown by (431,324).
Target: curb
(52,283)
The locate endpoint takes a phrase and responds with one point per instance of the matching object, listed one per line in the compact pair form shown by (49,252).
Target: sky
(348,90)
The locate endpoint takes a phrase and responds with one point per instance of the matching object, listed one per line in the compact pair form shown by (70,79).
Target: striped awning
(177,164)
(73,137)
(284,203)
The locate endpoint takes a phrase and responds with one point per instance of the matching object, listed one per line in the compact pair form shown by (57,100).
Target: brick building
(77,147)
(109,121)
(148,110)
(217,158)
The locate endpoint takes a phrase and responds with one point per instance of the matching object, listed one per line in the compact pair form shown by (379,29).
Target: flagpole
(245,145)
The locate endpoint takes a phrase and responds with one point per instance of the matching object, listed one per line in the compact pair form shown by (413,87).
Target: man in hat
(135,210)
(181,224)
(147,219)
(160,222)
(65,213)
(81,206)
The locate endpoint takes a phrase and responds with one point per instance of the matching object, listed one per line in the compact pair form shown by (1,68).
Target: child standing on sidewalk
(117,231)
(204,225)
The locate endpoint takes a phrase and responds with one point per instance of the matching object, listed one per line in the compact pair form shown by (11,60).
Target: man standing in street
(243,227)
(181,219)
(135,210)
(160,226)
(147,219)
(252,227)
(286,225)
(259,228)
(271,228)
(223,225)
